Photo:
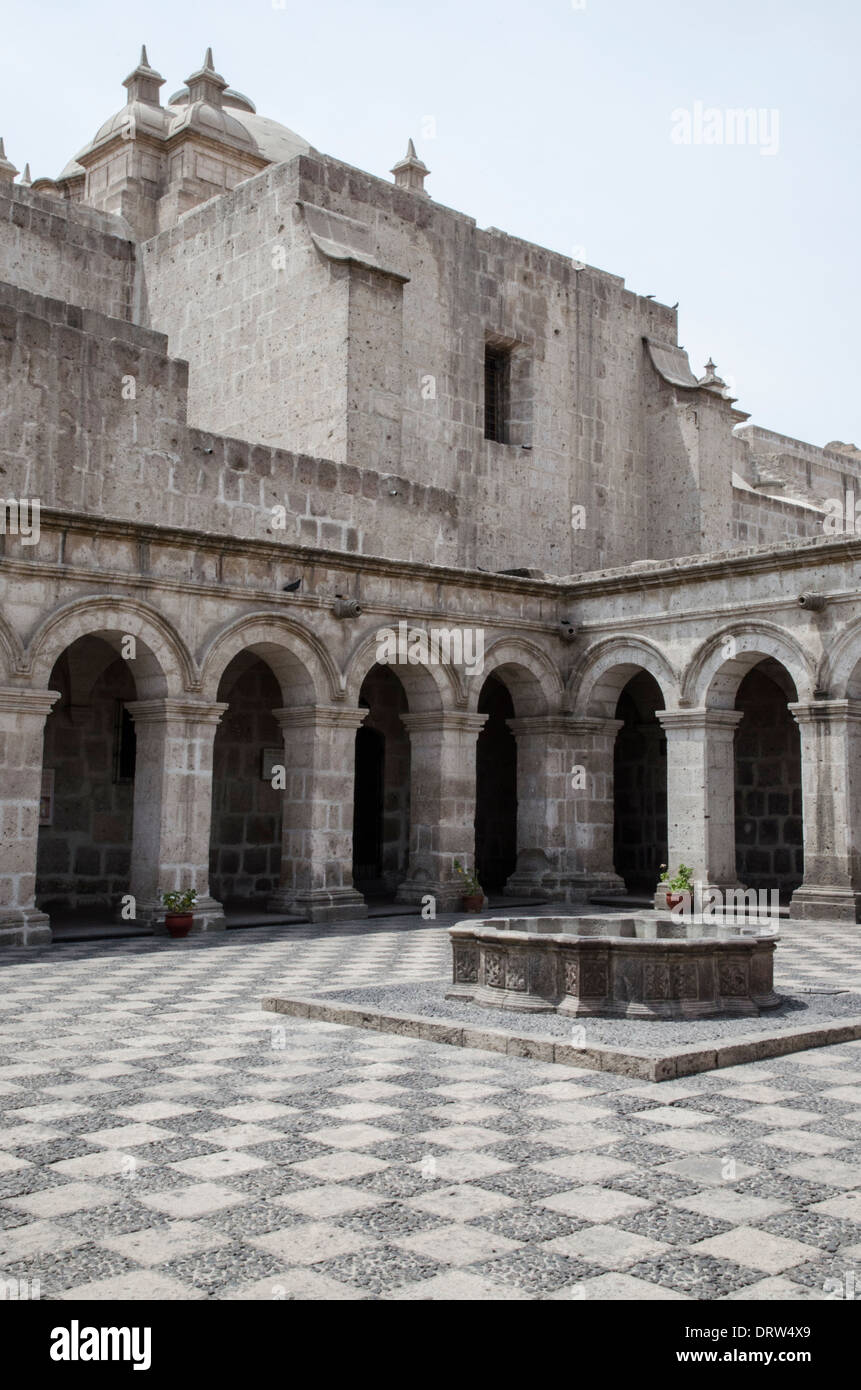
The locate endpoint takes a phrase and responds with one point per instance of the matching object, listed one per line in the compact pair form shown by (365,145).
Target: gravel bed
(427,1000)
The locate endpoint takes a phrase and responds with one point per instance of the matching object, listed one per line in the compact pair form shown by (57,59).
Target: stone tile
(756,1249)
(34,1237)
(229,1163)
(69,1197)
(459,1286)
(312,1242)
(327,1200)
(462,1203)
(157,1244)
(596,1204)
(607,1246)
(137,1284)
(726,1205)
(847,1207)
(619,1288)
(198,1200)
(458,1244)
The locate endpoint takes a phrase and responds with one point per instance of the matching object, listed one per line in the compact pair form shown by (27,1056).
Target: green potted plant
(179,917)
(680,886)
(473,893)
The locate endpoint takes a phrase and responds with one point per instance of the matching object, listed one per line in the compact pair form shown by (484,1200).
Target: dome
(206,105)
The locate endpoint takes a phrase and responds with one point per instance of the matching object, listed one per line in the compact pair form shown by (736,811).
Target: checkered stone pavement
(162,1137)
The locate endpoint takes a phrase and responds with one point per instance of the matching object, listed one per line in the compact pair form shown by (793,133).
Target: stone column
(173,807)
(590,809)
(317,821)
(564,807)
(701,795)
(442,804)
(22,736)
(831,800)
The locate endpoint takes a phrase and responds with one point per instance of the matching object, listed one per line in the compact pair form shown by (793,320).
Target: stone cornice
(444,721)
(826,711)
(165,711)
(663,574)
(700,719)
(320,716)
(21,701)
(571,725)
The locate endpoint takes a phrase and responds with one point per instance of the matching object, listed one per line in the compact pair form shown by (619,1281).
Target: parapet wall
(93,418)
(66,251)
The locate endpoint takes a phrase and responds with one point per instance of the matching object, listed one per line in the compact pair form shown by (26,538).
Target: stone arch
(717,669)
(533,681)
(300,663)
(840,672)
(427,687)
(162,664)
(11,651)
(599,679)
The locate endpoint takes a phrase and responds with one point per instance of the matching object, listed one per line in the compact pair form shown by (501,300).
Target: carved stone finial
(410,172)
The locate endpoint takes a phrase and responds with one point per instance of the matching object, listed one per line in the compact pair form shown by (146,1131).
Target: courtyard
(162,1137)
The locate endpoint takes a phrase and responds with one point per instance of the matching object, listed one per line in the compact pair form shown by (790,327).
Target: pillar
(317,821)
(701,795)
(564,807)
(22,736)
(173,807)
(831,801)
(442,804)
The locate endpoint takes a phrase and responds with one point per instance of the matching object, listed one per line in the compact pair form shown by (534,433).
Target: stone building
(260,409)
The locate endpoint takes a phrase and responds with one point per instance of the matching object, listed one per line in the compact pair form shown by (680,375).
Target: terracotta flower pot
(178,923)
(473,902)
(676,899)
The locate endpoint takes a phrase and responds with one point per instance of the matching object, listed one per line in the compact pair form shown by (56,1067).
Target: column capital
(563,724)
(168,710)
(701,720)
(443,721)
(320,717)
(14,700)
(826,711)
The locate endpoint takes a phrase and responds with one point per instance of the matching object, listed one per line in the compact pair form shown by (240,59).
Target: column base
(560,887)
(207,916)
(448,897)
(24,926)
(320,904)
(826,904)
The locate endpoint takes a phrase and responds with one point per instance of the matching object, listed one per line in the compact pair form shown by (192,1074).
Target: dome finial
(206,84)
(7,168)
(25,177)
(411,172)
(144,82)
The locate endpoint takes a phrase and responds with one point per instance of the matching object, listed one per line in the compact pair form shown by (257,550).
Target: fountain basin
(631,965)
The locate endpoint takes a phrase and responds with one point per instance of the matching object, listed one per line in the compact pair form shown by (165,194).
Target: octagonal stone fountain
(632,965)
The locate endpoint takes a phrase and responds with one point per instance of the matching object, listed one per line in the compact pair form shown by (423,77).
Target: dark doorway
(640,786)
(496,789)
(368,808)
(769,833)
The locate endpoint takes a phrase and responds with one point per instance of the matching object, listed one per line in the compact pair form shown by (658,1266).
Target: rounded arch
(597,682)
(840,673)
(300,663)
(533,681)
(11,650)
(428,687)
(724,659)
(162,664)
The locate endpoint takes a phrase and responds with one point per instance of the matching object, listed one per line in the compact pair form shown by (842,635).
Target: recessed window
(497,378)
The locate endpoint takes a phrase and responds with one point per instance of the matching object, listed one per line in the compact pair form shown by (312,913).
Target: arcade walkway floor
(162,1137)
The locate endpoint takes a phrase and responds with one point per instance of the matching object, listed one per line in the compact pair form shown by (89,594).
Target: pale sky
(553,121)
